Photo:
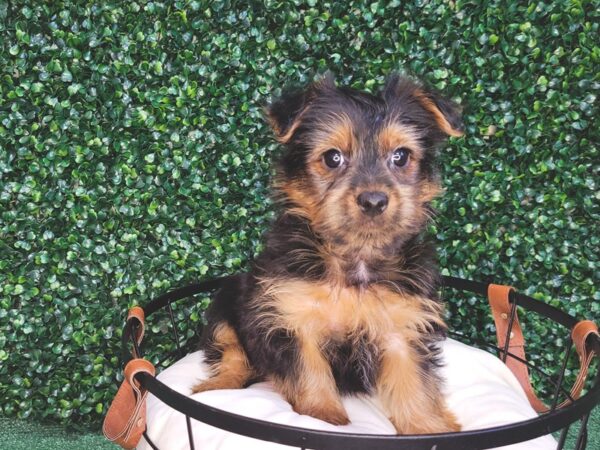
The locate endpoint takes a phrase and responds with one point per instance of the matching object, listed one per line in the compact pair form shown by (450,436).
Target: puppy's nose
(372,203)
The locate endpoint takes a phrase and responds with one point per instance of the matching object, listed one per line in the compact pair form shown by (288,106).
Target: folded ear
(284,113)
(445,113)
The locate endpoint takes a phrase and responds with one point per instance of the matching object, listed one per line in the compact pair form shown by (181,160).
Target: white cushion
(479,389)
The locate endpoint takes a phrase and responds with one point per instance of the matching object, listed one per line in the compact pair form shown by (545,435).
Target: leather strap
(579,334)
(137,313)
(125,420)
(498,296)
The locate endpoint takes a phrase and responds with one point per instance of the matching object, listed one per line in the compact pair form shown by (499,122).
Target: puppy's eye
(333,158)
(400,156)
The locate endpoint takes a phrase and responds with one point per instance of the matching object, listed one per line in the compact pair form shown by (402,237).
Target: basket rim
(521,431)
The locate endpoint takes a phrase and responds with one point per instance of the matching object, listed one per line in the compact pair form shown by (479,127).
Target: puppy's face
(360,167)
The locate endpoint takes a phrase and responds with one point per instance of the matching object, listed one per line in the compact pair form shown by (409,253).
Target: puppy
(343,298)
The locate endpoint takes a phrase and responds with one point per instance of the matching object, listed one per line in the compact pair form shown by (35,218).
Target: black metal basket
(559,417)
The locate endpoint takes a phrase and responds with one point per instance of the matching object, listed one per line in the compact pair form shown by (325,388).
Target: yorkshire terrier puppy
(343,298)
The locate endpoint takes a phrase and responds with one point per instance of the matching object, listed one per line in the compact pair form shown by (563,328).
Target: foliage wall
(134,158)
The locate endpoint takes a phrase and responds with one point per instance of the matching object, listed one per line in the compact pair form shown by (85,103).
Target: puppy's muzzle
(372,203)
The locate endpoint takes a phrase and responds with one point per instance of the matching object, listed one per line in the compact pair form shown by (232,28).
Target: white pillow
(479,389)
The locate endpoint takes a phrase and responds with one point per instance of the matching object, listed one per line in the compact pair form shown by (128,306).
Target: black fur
(354,363)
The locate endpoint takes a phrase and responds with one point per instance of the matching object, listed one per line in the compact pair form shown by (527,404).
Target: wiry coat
(343,299)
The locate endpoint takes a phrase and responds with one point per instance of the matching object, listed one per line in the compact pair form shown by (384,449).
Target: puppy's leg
(409,394)
(311,388)
(230,366)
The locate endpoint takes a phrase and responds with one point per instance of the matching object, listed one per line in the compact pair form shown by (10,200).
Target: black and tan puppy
(343,298)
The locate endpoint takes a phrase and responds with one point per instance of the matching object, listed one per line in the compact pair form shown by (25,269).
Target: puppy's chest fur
(349,326)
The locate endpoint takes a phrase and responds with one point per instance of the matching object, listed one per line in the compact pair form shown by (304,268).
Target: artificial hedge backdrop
(134,158)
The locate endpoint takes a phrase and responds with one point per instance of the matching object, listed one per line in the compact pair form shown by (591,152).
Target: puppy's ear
(445,113)
(284,113)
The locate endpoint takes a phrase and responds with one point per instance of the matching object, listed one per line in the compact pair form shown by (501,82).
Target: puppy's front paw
(203,386)
(217,382)
(436,421)
(333,414)
(451,421)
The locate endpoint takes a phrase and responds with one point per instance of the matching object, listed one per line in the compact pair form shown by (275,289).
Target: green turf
(22,435)
(593,432)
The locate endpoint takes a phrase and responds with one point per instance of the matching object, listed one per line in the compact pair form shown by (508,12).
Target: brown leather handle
(137,313)
(579,334)
(125,420)
(498,296)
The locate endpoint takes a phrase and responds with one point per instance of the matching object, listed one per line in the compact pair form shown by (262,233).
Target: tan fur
(429,190)
(394,135)
(296,192)
(442,122)
(329,208)
(335,131)
(233,370)
(314,392)
(405,212)
(316,312)
(411,397)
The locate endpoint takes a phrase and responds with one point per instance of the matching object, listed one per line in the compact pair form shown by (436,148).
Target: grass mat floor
(24,435)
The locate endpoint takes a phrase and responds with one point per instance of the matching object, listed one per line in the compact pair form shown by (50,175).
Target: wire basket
(559,406)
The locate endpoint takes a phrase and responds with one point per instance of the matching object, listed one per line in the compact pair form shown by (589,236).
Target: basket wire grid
(562,413)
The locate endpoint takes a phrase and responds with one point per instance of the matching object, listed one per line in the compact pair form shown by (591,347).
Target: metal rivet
(504,316)
(140,422)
